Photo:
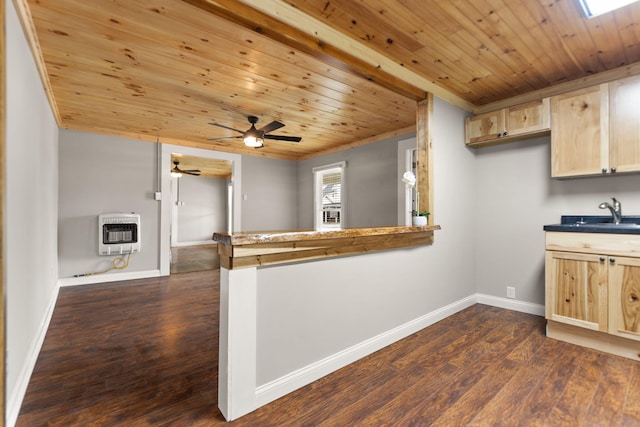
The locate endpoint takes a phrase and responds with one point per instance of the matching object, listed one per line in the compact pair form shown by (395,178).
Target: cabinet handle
(602,259)
(612,260)
(505,133)
(613,170)
(499,135)
(604,170)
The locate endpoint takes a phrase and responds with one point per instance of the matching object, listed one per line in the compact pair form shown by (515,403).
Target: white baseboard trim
(102,278)
(511,304)
(286,384)
(275,389)
(15,399)
(196,243)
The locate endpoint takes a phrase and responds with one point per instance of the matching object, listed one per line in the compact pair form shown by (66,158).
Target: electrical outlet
(511,292)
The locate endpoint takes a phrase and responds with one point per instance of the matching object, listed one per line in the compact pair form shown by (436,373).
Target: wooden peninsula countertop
(252,249)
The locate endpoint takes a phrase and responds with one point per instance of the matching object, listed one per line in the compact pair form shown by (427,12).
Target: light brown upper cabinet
(596,130)
(508,124)
(624,125)
(579,137)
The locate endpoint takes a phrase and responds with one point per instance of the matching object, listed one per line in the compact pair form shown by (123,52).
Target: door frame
(234,212)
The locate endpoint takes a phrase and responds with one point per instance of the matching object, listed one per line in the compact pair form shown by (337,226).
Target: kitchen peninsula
(252,266)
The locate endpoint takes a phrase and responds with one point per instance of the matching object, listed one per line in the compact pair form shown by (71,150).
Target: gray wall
(270,188)
(31,209)
(371,184)
(308,311)
(103,174)
(516,197)
(205,208)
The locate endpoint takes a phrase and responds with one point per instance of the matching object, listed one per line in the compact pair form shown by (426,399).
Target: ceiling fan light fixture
(255,137)
(252,141)
(176,172)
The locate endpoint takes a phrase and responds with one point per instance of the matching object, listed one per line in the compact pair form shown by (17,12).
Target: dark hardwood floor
(186,259)
(144,353)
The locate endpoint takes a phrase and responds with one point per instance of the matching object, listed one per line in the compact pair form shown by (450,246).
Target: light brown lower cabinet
(592,291)
(577,288)
(624,298)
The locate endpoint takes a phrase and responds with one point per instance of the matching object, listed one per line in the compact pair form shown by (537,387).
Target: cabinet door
(531,117)
(624,297)
(576,289)
(484,127)
(624,125)
(579,136)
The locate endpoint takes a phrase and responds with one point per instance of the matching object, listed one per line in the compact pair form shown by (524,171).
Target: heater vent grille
(118,233)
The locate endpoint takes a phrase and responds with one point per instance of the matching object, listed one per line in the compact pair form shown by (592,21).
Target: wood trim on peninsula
(242,250)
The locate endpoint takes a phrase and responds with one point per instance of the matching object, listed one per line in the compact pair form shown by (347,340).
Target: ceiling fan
(255,137)
(176,171)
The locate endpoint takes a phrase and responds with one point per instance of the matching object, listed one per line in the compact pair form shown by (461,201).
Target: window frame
(410,196)
(318,173)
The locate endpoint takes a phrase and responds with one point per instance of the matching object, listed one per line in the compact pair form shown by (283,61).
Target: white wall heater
(118,233)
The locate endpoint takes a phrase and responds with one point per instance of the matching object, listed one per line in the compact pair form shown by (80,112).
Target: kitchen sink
(596,224)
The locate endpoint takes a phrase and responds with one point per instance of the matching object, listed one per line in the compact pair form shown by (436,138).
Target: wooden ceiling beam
(352,47)
(337,55)
(387,135)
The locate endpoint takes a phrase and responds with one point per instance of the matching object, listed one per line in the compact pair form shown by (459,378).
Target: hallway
(186,259)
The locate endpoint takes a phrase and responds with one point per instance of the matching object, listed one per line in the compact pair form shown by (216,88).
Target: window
(329,197)
(598,7)
(411,195)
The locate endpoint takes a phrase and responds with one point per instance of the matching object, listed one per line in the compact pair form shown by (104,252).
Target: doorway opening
(199,207)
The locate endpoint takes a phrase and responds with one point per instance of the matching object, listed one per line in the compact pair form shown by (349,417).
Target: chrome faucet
(616,210)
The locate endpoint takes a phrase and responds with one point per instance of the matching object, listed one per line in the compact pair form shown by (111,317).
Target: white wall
(205,208)
(31,207)
(103,174)
(270,188)
(371,184)
(312,310)
(515,198)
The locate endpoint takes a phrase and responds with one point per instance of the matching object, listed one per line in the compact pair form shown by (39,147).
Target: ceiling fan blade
(223,138)
(191,171)
(271,127)
(284,138)
(226,127)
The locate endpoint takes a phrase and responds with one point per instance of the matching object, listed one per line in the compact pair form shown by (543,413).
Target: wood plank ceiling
(164,69)
(488,50)
(209,168)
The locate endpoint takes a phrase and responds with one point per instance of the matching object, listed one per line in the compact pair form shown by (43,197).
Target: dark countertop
(596,224)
